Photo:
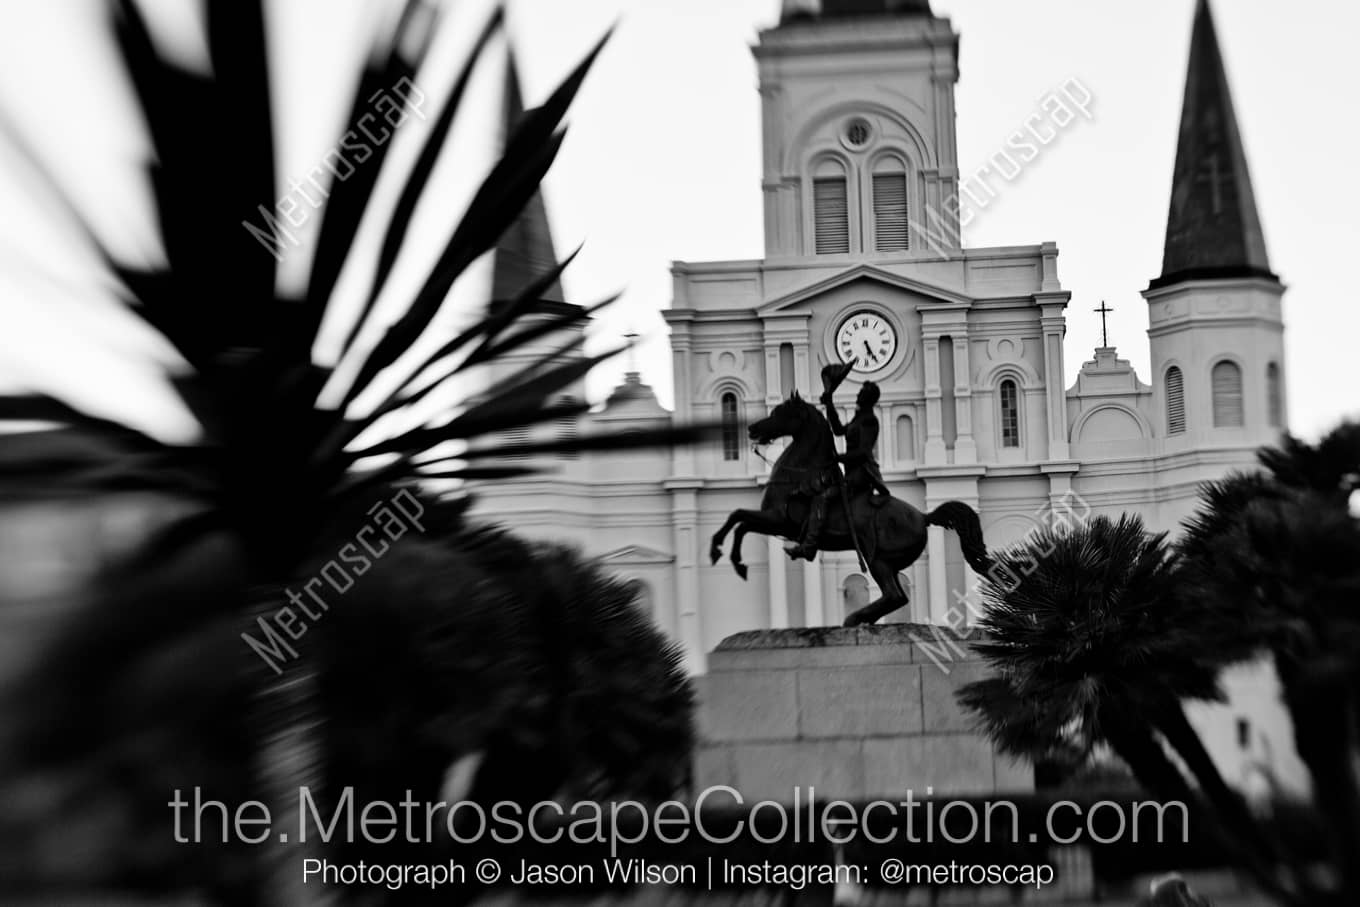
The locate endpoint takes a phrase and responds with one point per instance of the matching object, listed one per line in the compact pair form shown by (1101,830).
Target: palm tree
(1279,553)
(141,683)
(1091,644)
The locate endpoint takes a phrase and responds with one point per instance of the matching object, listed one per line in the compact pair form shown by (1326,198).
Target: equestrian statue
(808,500)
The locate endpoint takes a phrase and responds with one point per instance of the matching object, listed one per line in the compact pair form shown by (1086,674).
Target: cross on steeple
(1104,310)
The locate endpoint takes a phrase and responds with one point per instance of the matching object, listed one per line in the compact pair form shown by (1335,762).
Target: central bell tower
(860,155)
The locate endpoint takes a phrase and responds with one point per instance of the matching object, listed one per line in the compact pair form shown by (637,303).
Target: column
(812,594)
(779,583)
(939,578)
(971,607)
(965,448)
(689,621)
(773,392)
(683,454)
(1054,327)
(1065,506)
(934,452)
(802,368)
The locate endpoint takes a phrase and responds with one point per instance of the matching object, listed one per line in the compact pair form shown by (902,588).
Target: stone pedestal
(858,714)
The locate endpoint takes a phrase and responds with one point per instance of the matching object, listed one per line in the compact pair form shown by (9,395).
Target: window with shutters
(515,438)
(1274,396)
(731,427)
(890,207)
(566,428)
(1227,389)
(1175,401)
(830,208)
(1010,414)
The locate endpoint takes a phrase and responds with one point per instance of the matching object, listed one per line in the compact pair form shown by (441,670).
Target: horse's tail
(963,520)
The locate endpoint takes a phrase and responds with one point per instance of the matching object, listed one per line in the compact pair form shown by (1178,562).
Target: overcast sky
(662,163)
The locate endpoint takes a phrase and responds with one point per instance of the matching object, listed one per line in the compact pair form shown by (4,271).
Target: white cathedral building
(862,242)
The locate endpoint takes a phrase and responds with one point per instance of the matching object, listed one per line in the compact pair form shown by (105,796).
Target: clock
(867,340)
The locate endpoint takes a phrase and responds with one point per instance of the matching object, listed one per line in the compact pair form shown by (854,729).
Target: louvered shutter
(1175,402)
(513,437)
(890,212)
(566,428)
(831,216)
(1227,387)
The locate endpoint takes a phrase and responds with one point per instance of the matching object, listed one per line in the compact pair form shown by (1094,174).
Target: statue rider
(861,469)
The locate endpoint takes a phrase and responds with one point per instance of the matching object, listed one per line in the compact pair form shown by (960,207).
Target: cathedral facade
(864,264)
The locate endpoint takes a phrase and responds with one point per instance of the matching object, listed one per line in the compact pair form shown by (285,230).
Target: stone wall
(854,713)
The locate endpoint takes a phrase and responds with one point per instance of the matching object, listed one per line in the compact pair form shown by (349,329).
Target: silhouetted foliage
(457,639)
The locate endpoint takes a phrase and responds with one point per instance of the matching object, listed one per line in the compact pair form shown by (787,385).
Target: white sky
(662,163)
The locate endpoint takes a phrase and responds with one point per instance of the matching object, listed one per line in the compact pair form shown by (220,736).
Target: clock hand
(869,351)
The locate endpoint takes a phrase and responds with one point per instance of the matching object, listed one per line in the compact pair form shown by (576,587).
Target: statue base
(857,713)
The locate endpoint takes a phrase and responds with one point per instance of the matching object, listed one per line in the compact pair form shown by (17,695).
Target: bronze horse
(891,535)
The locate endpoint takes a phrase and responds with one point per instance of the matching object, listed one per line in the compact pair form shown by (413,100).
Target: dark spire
(1213,229)
(525,250)
(840,9)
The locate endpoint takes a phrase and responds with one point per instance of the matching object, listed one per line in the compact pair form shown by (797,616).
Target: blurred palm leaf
(276,482)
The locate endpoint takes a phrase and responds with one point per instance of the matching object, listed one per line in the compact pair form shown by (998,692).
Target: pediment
(635,554)
(860,272)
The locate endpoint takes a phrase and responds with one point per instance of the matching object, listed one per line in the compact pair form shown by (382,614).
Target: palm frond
(1078,619)
(1332,466)
(389,67)
(272,485)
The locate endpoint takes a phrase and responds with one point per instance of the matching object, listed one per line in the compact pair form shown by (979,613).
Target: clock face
(867,340)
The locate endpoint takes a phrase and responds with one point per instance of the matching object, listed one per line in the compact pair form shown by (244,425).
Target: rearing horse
(891,536)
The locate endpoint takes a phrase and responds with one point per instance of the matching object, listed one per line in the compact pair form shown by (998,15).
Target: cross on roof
(632,338)
(1104,310)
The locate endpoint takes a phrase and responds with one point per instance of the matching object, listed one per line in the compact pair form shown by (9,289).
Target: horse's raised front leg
(755,521)
(715,550)
(893,597)
(737,537)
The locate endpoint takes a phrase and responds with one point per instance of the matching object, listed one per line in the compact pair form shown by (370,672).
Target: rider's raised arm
(834,418)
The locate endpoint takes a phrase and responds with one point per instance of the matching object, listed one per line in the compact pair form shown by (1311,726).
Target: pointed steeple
(525,250)
(1212,230)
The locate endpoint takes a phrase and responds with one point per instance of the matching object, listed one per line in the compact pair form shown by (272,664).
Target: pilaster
(688,620)
(778,583)
(1054,326)
(682,456)
(965,448)
(812,594)
(934,452)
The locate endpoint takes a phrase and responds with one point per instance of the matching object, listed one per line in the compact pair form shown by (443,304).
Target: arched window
(1175,401)
(731,427)
(855,592)
(906,440)
(830,208)
(787,380)
(1227,387)
(1010,414)
(890,206)
(1274,396)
